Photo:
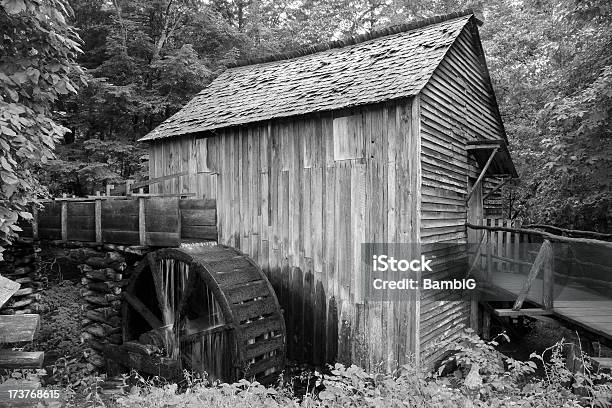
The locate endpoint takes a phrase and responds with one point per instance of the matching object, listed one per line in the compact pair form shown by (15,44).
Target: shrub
(483,378)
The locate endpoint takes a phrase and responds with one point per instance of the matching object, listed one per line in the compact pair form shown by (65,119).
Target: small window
(348,138)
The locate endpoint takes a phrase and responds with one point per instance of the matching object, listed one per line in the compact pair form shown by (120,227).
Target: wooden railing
(501,248)
(140,219)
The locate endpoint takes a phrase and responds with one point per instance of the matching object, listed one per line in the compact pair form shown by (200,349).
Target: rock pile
(103,280)
(21,265)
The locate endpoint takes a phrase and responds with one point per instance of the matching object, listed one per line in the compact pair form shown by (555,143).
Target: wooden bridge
(566,277)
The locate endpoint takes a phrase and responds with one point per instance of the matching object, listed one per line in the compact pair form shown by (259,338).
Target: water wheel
(204,309)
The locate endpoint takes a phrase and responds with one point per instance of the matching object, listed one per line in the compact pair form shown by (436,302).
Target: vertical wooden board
(222,189)
(192,167)
(152,149)
(264,205)
(320,333)
(250,199)
(327,284)
(185,182)
(306,143)
(358,226)
(331,231)
(174,164)
(236,185)
(287,304)
(243,181)
(356,136)
(297,312)
(284,212)
(340,138)
(306,213)
(327,130)
(164,163)
(162,214)
(317,147)
(317,210)
(342,229)
(331,352)
(296,199)
(274,186)
(81,223)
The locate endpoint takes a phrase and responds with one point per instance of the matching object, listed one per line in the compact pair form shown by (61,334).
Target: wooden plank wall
(456,107)
(301,204)
(183,154)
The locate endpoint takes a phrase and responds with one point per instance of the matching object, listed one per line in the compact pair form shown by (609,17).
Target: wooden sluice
(145,220)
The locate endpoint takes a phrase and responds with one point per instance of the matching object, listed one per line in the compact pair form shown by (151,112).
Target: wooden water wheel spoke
(208,309)
(143,310)
(193,337)
(189,287)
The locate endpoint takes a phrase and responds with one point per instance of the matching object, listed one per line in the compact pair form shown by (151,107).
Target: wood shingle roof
(385,66)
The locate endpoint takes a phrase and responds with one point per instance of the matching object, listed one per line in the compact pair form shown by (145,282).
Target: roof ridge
(352,40)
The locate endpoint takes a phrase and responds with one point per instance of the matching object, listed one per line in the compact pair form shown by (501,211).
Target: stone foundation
(21,264)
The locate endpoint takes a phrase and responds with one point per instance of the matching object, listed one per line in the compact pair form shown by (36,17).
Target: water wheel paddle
(204,309)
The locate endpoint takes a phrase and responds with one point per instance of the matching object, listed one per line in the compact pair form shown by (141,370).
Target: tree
(37,66)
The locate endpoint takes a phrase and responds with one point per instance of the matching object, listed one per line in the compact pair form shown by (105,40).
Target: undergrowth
(481,377)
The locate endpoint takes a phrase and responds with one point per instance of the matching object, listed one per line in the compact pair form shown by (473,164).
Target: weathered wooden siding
(301,203)
(457,105)
(180,154)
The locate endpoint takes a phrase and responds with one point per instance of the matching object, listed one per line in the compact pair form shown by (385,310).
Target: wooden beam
(18,328)
(155,180)
(546,235)
(522,312)
(143,310)
(21,359)
(544,256)
(499,186)
(482,173)
(557,230)
(7,289)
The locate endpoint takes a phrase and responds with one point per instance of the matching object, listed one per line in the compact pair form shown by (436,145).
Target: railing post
(98,217)
(489,269)
(35,221)
(64,218)
(542,260)
(142,234)
(548,282)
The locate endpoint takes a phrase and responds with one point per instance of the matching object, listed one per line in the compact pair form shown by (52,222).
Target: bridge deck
(573,302)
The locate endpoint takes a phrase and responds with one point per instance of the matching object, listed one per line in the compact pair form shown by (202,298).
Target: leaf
(5,165)
(25,215)
(13,6)
(8,178)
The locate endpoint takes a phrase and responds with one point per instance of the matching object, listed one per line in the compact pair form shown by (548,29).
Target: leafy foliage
(483,378)
(37,67)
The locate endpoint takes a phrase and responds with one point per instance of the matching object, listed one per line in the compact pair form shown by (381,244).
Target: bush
(483,378)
